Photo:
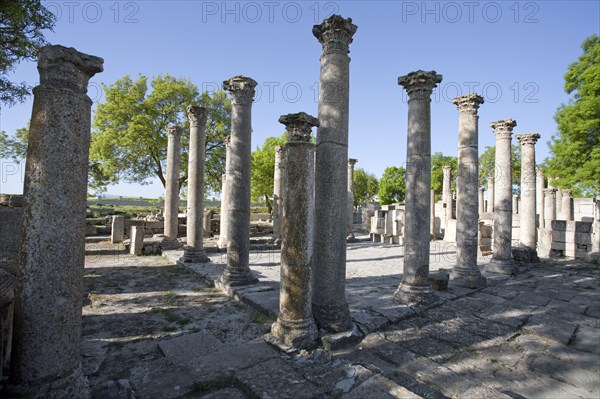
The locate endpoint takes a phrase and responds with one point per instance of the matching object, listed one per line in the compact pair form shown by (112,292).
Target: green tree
(366,186)
(21,36)
(263,170)
(575,149)
(392,186)
(129,140)
(438,161)
(15,147)
(487,166)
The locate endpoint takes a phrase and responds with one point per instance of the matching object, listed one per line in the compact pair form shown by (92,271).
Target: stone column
(481,200)
(172,187)
(566,205)
(502,260)
(466,273)
(238,271)
(549,206)
(447,193)
(539,196)
(224,217)
(491,196)
(295,326)
(527,210)
(117,231)
(432,214)
(351,163)
(46,360)
(278,192)
(415,288)
(331,180)
(515,203)
(194,249)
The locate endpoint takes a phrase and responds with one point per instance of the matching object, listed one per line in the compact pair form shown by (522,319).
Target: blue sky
(513,53)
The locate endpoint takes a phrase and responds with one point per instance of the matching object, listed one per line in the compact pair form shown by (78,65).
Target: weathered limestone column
(539,196)
(566,205)
(331,179)
(295,325)
(238,271)
(466,273)
(193,251)
(224,217)
(415,288)
(172,187)
(481,200)
(502,260)
(491,196)
(46,360)
(278,192)
(549,206)
(527,211)
(447,193)
(432,214)
(117,231)
(515,203)
(351,163)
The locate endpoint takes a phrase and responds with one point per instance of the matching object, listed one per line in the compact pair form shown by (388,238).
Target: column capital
(420,83)
(65,68)
(241,89)
(468,103)
(335,34)
(527,138)
(174,130)
(197,115)
(566,193)
(299,126)
(352,161)
(503,128)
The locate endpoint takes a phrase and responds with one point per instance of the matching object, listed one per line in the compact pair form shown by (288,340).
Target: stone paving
(536,335)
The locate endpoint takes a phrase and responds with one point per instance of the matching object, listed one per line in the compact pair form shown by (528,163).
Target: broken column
(46,360)
(466,273)
(415,288)
(351,163)
(565,209)
(224,222)
(491,191)
(278,192)
(172,188)
(331,179)
(527,211)
(193,252)
(117,231)
(502,260)
(481,200)
(295,326)
(238,271)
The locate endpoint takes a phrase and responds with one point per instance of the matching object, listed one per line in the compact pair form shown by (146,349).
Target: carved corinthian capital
(335,34)
(241,89)
(299,126)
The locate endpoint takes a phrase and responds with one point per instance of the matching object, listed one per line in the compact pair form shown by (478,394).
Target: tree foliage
(487,166)
(392,186)
(574,159)
(438,161)
(263,169)
(129,140)
(366,186)
(21,36)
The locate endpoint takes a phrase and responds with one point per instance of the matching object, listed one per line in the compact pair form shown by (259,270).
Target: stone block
(558,225)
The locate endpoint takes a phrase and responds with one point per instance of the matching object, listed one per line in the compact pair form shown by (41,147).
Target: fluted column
(466,273)
(331,180)
(415,288)
(194,248)
(172,187)
(238,271)
(481,200)
(549,206)
(351,163)
(224,217)
(46,360)
(566,205)
(295,325)
(447,194)
(539,196)
(278,192)
(527,211)
(502,260)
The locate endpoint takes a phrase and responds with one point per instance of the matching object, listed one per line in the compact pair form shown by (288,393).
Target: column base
(415,295)
(333,318)
(300,334)
(194,256)
(235,279)
(468,279)
(502,266)
(74,385)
